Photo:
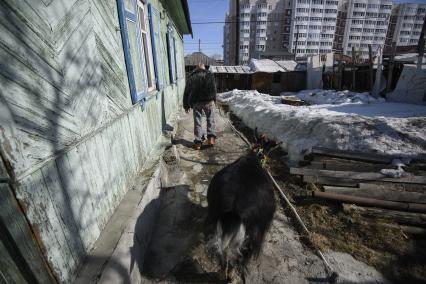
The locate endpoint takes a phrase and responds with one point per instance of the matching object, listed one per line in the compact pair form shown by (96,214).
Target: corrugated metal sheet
(263,65)
(240,69)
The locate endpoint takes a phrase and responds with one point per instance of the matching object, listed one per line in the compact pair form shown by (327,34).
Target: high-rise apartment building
(366,24)
(407,24)
(307,27)
(264,28)
(313,28)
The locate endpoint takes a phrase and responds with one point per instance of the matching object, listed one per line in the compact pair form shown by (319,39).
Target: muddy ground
(177,252)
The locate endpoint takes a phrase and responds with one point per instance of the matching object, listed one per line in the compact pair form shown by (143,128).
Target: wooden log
(406,218)
(357,175)
(407,229)
(330,181)
(354,155)
(336,164)
(408,187)
(370,202)
(382,194)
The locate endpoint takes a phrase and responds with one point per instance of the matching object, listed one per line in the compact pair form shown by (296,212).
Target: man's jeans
(208,109)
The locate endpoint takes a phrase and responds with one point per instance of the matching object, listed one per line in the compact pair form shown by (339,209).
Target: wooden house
(86,89)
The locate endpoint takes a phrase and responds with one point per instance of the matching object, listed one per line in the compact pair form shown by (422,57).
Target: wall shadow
(171,244)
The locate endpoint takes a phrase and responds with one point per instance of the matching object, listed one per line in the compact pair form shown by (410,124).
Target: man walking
(200,95)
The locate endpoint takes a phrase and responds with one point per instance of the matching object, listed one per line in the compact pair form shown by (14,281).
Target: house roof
(179,12)
(261,65)
(271,66)
(199,57)
(239,69)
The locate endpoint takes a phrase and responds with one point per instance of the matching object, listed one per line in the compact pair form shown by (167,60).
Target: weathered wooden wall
(69,132)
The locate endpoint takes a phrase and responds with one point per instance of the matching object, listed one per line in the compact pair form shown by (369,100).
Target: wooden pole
(340,70)
(353,68)
(237,33)
(297,39)
(421,46)
(370,69)
(390,67)
(332,77)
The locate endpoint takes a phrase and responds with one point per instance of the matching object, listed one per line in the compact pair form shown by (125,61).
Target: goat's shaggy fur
(241,207)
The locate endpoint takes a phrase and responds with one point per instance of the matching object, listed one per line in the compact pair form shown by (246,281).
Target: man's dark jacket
(200,87)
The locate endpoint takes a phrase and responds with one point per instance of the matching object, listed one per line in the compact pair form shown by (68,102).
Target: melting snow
(334,119)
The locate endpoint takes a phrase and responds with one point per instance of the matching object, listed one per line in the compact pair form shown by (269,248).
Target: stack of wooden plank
(352,177)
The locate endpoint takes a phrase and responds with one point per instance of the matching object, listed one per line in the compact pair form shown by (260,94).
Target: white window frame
(145,44)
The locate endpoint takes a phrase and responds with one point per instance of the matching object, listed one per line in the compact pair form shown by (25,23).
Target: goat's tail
(229,240)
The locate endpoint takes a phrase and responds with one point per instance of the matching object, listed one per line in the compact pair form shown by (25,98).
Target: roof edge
(187,16)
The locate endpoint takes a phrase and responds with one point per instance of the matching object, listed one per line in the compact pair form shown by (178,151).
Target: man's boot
(197,145)
(211,140)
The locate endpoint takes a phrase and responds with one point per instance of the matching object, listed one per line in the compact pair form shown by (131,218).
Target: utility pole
(353,69)
(297,39)
(421,46)
(390,67)
(370,68)
(237,33)
(199,45)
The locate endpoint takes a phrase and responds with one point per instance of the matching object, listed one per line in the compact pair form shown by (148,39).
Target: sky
(211,35)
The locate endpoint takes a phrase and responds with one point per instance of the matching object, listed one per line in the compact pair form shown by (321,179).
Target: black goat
(241,206)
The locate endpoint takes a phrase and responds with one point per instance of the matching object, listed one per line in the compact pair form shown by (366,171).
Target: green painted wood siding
(69,130)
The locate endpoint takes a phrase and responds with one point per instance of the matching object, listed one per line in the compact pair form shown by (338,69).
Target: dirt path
(176,252)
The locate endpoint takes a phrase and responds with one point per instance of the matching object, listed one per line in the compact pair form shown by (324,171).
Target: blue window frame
(133,51)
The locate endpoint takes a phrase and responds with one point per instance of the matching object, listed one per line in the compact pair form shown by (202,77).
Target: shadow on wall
(46,86)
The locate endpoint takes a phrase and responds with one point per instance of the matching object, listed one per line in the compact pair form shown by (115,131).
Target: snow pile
(381,127)
(333,97)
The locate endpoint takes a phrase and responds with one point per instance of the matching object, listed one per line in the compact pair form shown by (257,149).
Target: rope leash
(332,275)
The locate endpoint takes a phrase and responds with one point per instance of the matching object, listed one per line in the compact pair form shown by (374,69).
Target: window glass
(136,60)
(146,45)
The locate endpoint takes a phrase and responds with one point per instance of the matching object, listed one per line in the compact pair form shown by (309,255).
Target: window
(316,10)
(171,52)
(146,44)
(137,48)
(360,5)
(157,46)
